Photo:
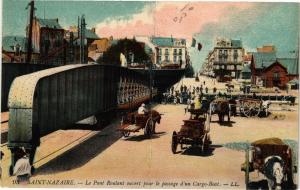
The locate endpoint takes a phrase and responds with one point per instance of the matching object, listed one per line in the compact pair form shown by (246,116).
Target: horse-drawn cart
(273,158)
(194,132)
(249,107)
(134,122)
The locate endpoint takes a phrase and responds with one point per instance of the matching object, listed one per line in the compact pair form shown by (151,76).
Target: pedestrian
(214,90)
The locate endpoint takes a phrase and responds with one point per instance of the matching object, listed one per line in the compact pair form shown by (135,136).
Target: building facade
(268,70)
(48,41)
(167,51)
(227,58)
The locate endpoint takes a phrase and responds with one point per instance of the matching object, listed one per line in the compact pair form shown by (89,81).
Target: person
(197,103)
(22,168)
(142,109)
(215,90)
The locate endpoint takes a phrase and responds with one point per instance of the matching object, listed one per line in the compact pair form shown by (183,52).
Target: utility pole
(82,40)
(29,40)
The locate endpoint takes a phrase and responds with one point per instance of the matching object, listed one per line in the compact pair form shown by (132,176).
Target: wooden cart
(194,132)
(262,155)
(134,122)
(250,107)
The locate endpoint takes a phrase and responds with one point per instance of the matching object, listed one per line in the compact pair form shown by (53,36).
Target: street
(105,159)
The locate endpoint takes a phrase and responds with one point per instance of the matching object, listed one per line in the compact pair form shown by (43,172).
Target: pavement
(103,159)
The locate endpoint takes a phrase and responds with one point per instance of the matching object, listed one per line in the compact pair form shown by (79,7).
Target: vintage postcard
(149,94)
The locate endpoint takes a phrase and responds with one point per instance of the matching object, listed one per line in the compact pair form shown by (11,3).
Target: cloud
(179,19)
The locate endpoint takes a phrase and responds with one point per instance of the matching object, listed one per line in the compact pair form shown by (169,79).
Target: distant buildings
(98,47)
(48,41)
(51,44)
(167,51)
(14,49)
(225,59)
(271,70)
(73,41)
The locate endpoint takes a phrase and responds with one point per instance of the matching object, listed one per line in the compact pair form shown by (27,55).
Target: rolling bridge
(45,101)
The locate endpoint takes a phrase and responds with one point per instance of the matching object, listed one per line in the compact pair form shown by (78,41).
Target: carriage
(194,132)
(271,157)
(134,122)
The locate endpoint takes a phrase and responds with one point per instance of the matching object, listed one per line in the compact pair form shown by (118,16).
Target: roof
(236,43)
(9,42)
(49,23)
(89,34)
(166,41)
(263,59)
(269,141)
(246,69)
(291,64)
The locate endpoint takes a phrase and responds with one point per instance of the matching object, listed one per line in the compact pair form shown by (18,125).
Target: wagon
(194,132)
(271,157)
(134,122)
(251,107)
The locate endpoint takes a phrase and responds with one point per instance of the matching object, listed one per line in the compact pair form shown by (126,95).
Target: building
(13,49)
(98,47)
(166,50)
(266,49)
(48,41)
(73,40)
(227,58)
(270,71)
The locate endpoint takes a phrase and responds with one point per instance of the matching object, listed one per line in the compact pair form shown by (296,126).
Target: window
(175,58)
(159,59)
(180,58)
(235,56)
(276,76)
(159,51)
(167,58)
(167,51)
(180,51)
(175,52)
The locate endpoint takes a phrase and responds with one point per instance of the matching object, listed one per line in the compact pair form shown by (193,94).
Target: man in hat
(142,109)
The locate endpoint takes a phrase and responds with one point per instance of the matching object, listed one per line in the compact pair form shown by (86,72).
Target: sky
(255,24)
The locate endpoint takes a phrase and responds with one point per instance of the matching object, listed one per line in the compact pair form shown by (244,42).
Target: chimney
(93,29)
(56,20)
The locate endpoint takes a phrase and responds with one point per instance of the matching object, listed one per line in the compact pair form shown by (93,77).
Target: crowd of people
(186,94)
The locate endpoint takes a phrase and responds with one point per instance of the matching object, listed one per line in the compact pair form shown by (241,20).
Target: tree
(189,71)
(127,47)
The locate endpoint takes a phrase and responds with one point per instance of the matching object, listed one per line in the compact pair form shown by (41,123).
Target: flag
(199,46)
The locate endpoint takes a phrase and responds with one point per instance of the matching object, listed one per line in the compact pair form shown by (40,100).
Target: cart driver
(142,109)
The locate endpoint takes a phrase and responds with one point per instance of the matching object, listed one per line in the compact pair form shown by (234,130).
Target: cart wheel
(174,142)
(148,131)
(125,133)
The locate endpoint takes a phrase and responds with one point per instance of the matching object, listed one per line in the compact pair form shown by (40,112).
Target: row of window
(167,51)
(167,58)
(225,52)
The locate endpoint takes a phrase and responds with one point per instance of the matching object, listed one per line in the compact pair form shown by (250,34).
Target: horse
(222,108)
